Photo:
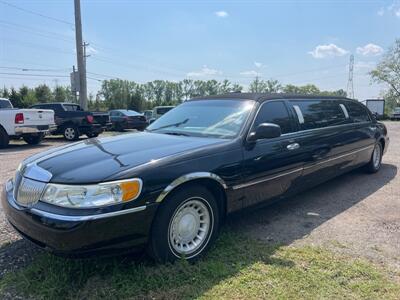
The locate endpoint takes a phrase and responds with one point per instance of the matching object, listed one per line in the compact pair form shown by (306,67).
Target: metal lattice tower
(350,86)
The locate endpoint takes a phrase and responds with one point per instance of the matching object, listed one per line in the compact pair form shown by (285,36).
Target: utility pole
(80,56)
(350,86)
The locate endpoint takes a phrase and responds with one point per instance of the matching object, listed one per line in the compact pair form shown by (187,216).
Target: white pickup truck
(30,124)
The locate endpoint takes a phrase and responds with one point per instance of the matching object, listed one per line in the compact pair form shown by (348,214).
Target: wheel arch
(383,143)
(215,184)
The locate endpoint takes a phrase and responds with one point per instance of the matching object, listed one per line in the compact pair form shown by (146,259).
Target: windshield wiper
(175,133)
(171,125)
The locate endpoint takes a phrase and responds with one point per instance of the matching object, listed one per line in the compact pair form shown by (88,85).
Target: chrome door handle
(293,146)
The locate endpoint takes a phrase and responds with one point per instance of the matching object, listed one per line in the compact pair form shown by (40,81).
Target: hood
(95,160)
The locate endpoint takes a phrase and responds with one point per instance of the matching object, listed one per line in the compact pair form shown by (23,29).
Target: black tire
(71,133)
(4,138)
(33,139)
(161,247)
(92,134)
(375,162)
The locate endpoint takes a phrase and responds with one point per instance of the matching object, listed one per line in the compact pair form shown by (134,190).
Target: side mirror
(265,131)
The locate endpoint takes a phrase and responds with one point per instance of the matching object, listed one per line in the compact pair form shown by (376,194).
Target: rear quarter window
(357,112)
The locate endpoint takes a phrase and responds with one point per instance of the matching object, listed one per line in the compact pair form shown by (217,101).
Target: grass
(237,268)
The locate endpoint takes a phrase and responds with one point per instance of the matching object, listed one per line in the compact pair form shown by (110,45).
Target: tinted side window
(357,112)
(320,113)
(276,113)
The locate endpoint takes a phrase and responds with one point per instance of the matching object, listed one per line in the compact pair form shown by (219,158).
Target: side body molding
(188,177)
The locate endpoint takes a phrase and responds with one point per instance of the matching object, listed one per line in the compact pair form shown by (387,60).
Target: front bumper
(67,234)
(29,129)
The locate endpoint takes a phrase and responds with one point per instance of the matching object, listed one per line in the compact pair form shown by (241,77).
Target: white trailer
(376,106)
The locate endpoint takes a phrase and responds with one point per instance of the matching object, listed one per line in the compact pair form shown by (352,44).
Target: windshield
(163,110)
(4,103)
(131,113)
(214,118)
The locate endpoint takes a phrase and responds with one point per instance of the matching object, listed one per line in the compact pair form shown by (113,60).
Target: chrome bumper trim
(49,215)
(33,129)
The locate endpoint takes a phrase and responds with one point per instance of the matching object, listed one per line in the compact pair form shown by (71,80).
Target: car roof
(58,103)
(261,97)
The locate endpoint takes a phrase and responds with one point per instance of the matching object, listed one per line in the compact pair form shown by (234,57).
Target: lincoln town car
(168,189)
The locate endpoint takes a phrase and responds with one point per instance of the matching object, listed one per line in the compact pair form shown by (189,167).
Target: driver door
(271,165)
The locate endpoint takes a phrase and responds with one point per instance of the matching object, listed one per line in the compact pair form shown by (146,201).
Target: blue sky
(296,42)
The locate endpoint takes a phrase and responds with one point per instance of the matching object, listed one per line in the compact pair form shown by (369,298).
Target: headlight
(90,196)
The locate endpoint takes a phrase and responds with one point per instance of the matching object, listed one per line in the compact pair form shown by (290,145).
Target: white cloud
(330,50)
(221,14)
(205,71)
(250,73)
(258,64)
(370,50)
(393,9)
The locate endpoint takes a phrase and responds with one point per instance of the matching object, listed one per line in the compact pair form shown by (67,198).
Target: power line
(35,70)
(38,32)
(37,14)
(37,75)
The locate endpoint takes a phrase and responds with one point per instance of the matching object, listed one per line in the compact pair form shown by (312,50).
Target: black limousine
(169,188)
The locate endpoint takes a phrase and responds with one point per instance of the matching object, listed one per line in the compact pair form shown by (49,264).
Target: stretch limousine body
(169,188)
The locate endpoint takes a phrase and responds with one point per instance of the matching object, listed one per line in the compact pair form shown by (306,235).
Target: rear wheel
(4,138)
(376,159)
(33,139)
(71,133)
(185,226)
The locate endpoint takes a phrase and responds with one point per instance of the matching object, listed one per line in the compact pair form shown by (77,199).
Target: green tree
(388,71)
(43,93)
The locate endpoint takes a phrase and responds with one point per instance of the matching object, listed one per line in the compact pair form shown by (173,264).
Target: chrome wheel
(69,133)
(376,156)
(190,227)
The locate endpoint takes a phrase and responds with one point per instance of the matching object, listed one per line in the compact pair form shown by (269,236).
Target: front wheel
(376,159)
(33,139)
(185,226)
(71,133)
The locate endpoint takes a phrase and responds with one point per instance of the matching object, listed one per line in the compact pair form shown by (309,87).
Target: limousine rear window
(357,112)
(319,113)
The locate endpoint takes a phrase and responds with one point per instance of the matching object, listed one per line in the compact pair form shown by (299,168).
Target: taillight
(89,118)
(19,118)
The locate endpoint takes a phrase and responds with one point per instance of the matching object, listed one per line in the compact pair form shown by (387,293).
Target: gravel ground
(356,214)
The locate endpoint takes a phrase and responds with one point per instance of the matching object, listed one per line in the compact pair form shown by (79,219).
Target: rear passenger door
(271,165)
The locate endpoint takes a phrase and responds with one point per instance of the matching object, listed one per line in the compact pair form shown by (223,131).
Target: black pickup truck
(72,121)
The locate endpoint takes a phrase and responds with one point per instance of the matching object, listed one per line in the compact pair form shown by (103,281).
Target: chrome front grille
(27,191)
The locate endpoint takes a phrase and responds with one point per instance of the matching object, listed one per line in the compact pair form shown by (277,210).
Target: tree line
(125,94)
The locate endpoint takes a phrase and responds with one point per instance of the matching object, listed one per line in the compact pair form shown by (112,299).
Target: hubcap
(69,133)
(190,226)
(376,157)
